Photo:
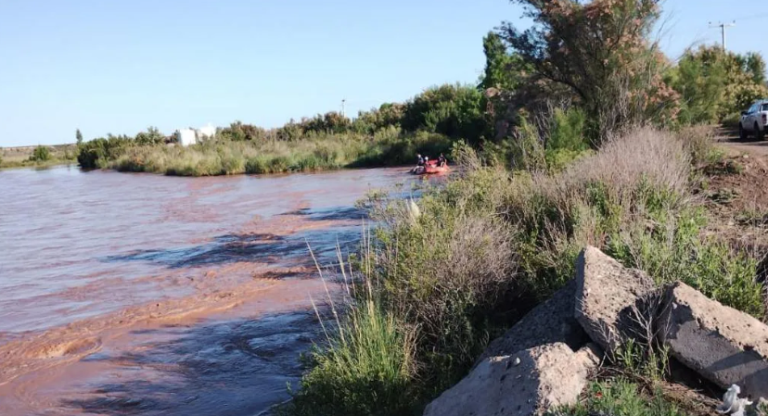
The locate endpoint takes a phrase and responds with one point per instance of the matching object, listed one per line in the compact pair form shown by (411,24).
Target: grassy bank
(455,269)
(37,157)
(387,147)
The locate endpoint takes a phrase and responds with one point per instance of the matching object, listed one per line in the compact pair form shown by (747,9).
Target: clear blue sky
(120,66)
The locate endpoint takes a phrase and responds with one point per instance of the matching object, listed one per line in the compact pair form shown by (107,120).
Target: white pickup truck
(754,121)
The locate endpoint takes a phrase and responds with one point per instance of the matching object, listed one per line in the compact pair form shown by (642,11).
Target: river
(144,294)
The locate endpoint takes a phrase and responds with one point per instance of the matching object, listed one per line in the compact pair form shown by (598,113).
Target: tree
(714,84)
(701,78)
(502,70)
(456,111)
(755,65)
(150,137)
(79,137)
(601,52)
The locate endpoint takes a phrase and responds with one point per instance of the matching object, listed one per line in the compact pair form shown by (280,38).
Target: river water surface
(126,294)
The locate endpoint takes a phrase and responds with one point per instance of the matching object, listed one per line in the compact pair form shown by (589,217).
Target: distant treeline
(390,134)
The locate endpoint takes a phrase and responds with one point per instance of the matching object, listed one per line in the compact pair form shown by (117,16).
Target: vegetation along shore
(585,135)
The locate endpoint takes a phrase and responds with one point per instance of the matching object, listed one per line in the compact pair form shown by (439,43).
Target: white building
(188,137)
(207,132)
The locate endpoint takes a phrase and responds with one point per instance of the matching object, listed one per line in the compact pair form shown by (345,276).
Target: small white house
(207,132)
(186,137)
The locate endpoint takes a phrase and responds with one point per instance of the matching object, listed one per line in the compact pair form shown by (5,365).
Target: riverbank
(390,147)
(25,157)
(451,272)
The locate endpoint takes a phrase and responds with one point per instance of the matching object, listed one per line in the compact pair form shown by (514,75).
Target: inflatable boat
(430,169)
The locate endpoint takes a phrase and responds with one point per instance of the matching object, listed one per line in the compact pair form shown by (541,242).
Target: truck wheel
(758,133)
(742,133)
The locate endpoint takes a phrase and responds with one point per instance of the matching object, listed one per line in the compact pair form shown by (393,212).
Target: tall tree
(600,51)
(79,137)
(503,70)
(756,67)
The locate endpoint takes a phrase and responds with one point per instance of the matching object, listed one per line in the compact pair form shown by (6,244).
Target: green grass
(38,157)
(620,398)
(388,147)
(16,164)
(365,368)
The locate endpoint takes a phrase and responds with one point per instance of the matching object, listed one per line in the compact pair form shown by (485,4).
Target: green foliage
(443,269)
(150,137)
(620,398)
(40,154)
(715,85)
(453,110)
(365,369)
(99,152)
(503,70)
(600,51)
(701,79)
(238,131)
(218,157)
(566,141)
(387,116)
(481,250)
(78,137)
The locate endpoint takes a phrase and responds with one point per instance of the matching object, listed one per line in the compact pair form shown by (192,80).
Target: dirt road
(732,142)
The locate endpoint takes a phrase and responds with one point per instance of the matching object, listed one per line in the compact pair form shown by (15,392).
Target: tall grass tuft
(366,366)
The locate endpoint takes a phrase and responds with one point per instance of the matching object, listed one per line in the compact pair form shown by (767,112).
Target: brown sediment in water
(50,371)
(139,294)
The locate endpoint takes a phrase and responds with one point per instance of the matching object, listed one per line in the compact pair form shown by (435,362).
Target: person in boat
(442,161)
(420,161)
(426,160)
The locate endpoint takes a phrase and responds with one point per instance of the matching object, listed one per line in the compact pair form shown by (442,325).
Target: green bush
(444,271)
(366,368)
(40,154)
(453,110)
(99,152)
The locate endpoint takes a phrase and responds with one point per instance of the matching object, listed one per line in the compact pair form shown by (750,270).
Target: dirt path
(731,141)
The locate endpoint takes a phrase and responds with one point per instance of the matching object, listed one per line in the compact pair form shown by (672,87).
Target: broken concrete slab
(722,344)
(607,296)
(550,322)
(526,383)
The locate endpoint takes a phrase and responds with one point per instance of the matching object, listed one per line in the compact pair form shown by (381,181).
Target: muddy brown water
(125,294)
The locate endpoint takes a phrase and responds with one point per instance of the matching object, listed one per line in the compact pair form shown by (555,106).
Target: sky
(121,66)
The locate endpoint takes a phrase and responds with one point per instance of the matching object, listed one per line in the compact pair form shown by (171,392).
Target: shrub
(715,85)
(365,368)
(453,110)
(40,154)
(99,152)
(444,271)
(600,51)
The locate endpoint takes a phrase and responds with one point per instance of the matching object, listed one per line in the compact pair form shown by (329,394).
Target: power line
(722,27)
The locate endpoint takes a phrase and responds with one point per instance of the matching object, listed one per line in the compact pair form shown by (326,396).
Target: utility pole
(722,27)
(343,101)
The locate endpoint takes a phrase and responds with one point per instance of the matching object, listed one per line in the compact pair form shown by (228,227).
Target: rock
(607,297)
(550,322)
(722,344)
(523,384)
